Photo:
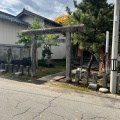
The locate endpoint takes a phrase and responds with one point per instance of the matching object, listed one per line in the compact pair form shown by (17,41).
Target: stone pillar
(118,84)
(2,66)
(27,70)
(16,68)
(11,68)
(33,47)
(94,85)
(6,67)
(22,69)
(104,81)
(95,78)
(85,79)
(77,76)
(104,84)
(68,57)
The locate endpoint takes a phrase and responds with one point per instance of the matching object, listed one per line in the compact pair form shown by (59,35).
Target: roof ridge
(7,14)
(9,17)
(24,10)
(27,11)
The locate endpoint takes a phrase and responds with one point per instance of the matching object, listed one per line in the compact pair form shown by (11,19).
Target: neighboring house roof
(6,16)
(26,12)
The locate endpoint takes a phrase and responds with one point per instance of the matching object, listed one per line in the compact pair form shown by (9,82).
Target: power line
(56,14)
(61,9)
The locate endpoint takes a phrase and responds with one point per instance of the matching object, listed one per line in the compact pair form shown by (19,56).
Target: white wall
(59,52)
(39,52)
(30,20)
(8,32)
(8,35)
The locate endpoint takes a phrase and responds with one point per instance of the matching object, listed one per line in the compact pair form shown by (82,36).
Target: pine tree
(96,15)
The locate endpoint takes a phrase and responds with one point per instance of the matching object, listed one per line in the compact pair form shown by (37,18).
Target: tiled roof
(17,19)
(6,16)
(26,12)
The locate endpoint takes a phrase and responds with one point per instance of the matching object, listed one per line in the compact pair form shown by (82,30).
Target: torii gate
(64,30)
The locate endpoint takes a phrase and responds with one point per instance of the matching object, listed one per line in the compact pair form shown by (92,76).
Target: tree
(62,19)
(97,16)
(26,40)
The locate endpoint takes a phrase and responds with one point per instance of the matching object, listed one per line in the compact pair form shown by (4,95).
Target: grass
(41,72)
(69,86)
(59,66)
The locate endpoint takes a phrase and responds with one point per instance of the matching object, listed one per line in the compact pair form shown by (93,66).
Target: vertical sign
(107,42)
(107,49)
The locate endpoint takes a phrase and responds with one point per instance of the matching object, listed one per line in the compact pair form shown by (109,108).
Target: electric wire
(58,12)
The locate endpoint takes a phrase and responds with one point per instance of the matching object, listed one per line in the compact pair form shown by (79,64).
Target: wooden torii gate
(64,30)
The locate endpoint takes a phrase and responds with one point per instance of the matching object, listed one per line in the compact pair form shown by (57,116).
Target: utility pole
(113,75)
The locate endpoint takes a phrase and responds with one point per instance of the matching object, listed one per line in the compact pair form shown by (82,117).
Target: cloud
(46,8)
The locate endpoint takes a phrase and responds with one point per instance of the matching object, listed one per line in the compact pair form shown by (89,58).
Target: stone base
(103,90)
(2,71)
(18,73)
(93,86)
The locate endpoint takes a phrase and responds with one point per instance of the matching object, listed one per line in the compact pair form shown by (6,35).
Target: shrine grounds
(55,76)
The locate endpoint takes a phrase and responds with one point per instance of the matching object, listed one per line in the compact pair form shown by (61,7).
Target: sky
(46,8)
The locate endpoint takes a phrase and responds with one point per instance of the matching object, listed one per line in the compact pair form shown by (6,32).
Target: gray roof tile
(6,16)
(29,13)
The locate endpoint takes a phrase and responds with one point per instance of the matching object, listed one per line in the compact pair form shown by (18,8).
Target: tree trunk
(90,64)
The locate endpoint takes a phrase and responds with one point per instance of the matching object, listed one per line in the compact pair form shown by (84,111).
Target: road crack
(22,112)
(50,103)
(19,102)
(58,115)
(98,118)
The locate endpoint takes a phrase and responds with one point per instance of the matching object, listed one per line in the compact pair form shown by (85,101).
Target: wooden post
(68,57)
(33,48)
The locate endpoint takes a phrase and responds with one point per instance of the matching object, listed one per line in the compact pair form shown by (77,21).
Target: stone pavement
(56,76)
(52,77)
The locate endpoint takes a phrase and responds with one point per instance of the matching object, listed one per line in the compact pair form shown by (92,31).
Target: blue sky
(47,8)
(111,1)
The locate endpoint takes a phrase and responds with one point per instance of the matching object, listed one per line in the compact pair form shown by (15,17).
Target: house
(10,25)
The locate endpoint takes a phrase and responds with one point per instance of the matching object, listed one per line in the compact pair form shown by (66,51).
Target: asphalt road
(26,101)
